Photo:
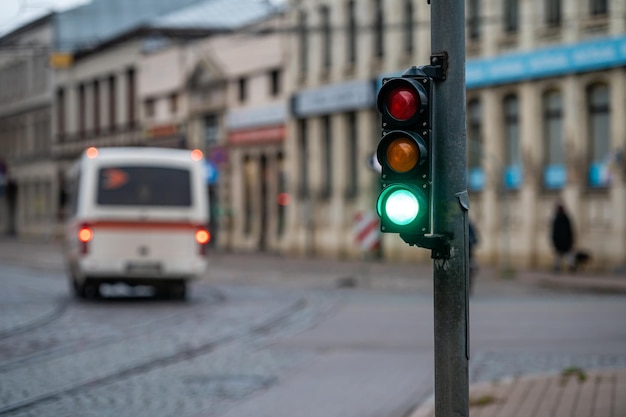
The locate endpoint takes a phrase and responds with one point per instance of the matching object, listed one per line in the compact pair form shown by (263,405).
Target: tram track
(256,330)
(59,309)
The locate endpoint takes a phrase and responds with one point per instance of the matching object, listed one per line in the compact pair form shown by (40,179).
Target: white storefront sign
(335,98)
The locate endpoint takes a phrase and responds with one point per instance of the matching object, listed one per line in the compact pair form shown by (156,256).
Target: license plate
(143,268)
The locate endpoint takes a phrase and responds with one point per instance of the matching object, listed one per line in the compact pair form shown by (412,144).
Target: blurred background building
(282,99)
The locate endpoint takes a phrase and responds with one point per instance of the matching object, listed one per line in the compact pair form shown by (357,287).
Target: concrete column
(575,122)
(492,30)
(618,147)
(237,196)
(572,14)
(531,146)
(617,18)
(493,163)
(528,23)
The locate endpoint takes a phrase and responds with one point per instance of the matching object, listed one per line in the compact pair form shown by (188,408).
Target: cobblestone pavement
(265,336)
(141,356)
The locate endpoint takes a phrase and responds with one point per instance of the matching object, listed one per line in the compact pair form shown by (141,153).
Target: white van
(137,216)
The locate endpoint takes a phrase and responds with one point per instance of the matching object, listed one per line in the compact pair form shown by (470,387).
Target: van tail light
(85,235)
(202,237)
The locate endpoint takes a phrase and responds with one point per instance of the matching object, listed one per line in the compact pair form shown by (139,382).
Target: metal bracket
(438,67)
(439,244)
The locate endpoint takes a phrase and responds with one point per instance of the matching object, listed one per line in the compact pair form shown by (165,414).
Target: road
(264,336)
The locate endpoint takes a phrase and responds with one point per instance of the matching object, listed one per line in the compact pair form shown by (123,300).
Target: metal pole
(451,310)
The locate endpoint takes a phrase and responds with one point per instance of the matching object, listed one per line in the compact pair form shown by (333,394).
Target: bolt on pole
(451,304)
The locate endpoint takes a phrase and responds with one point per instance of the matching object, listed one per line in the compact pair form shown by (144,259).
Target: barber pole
(367,231)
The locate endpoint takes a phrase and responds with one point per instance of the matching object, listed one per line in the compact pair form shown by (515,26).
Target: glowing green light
(402,207)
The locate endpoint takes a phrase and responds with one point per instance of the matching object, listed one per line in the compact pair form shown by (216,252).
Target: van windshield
(144,186)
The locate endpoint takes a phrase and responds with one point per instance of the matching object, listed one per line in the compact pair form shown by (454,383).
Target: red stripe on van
(121,224)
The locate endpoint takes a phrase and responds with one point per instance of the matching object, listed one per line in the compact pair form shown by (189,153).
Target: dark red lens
(402,103)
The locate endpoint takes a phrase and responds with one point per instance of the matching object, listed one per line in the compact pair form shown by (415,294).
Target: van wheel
(78,289)
(91,290)
(178,291)
(86,289)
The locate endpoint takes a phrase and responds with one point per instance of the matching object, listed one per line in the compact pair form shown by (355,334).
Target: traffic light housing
(405,154)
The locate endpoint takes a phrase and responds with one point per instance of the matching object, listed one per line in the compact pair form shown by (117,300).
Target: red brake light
(203,236)
(403,103)
(85,234)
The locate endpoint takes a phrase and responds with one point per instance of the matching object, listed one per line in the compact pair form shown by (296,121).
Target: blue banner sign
(552,61)
(546,62)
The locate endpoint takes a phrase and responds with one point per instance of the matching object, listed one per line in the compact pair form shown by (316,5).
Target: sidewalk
(573,393)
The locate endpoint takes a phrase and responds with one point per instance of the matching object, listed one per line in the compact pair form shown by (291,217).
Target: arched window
(379,29)
(512,157)
(599,114)
(352,32)
(554,173)
(408,26)
(553,12)
(303,43)
(598,7)
(473,19)
(511,16)
(326,34)
(476,177)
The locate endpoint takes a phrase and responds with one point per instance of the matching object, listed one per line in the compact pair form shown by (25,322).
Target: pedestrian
(562,239)
(472,242)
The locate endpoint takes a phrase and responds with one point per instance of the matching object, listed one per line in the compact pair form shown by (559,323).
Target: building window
(81,110)
(599,7)
(303,41)
(511,16)
(512,158)
(553,12)
(599,134)
(303,159)
(250,181)
(379,29)
(327,157)
(352,154)
(473,19)
(211,130)
(242,86)
(326,34)
(408,27)
(275,82)
(283,196)
(149,107)
(131,86)
(112,102)
(61,113)
(476,175)
(173,101)
(554,171)
(352,32)
(96,107)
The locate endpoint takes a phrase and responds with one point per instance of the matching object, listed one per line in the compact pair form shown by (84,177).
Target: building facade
(545,112)
(29,197)
(238,114)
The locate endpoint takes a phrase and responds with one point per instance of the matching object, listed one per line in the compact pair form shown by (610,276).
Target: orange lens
(85,234)
(402,155)
(203,237)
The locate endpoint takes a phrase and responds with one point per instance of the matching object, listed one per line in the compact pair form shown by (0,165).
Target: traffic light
(405,152)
